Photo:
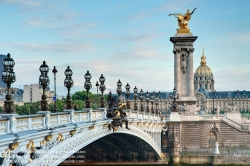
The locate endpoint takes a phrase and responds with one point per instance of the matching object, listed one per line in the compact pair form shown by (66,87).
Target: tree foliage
(78,100)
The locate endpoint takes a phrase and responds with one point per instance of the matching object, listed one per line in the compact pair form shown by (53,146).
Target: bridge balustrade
(46,120)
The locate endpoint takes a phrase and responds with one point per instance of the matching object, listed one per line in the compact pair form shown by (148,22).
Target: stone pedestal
(89,110)
(175,158)
(71,115)
(216,148)
(104,112)
(183,69)
(11,126)
(46,118)
(234,116)
(174,117)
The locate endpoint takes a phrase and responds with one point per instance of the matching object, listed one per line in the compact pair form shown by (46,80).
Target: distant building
(2,84)
(33,93)
(208,99)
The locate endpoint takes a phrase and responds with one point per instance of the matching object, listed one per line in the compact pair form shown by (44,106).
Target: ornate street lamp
(174,97)
(44,82)
(152,101)
(127,87)
(119,89)
(135,97)
(8,77)
(141,98)
(54,71)
(68,83)
(87,86)
(97,84)
(102,89)
(147,100)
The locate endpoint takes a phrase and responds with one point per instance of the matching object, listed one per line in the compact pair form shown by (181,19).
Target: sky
(124,39)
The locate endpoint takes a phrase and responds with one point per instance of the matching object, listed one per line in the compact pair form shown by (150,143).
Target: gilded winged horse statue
(183,21)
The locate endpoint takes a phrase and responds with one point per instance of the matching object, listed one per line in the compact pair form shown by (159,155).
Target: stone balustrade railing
(12,123)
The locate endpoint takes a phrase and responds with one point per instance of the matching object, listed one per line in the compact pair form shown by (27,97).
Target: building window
(210,86)
(205,78)
(205,85)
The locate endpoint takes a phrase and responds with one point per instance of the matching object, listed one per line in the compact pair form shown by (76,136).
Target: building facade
(2,57)
(208,99)
(33,93)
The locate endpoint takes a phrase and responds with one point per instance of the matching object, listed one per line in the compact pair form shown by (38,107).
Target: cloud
(232,79)
(142,53)
(58,47)
(142,38)
(27,5)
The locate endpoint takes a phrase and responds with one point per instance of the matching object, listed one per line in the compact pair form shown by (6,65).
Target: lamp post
(97,84)
(87,86)
(135,97)
(102,89)
(44,82)
(174,97)
(8,77)
(127,87)
(68,83)
(147,100)
(119,89)
(141,98)
(152,101)
(54,71)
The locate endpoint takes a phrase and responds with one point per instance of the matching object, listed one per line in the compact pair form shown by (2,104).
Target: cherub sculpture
(183,21)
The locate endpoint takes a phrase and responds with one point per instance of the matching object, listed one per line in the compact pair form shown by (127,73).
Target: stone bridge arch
(61,151)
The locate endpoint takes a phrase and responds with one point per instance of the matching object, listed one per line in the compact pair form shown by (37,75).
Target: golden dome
(203,68)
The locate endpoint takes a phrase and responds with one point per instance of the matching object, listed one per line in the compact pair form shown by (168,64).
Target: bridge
(50,138)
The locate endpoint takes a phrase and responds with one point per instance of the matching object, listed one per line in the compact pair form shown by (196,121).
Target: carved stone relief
(184,43)
(184,62)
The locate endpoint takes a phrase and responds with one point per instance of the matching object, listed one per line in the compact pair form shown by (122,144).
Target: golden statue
(183,21)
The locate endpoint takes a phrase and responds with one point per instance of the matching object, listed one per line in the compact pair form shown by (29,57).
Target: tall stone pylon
(183,62)
(183,68)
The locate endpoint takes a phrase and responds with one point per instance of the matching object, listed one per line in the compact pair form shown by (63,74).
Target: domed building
(203,76)
(209,99)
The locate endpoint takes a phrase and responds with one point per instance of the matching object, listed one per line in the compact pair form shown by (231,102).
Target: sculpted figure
(116,112)
(183,20)
(184,62)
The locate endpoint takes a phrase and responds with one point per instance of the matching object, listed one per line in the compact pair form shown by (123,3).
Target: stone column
(177,69)
(183,69)
(190,72)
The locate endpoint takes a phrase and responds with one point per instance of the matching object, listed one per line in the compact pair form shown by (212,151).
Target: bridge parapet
(31,131)
(46,119)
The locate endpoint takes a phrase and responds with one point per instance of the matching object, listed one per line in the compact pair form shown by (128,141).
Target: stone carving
(230,107)
(190,50)
(184,108)
(116,112)
(184,43)
(184,62)
(176,50)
